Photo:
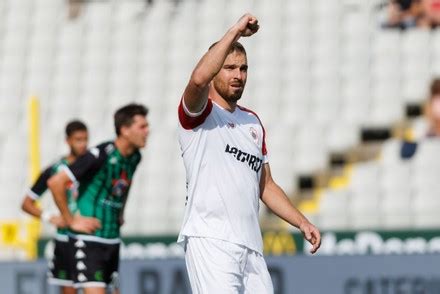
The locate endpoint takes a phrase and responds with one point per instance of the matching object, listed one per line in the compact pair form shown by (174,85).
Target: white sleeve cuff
(69,173)
(193,114)
(33,195)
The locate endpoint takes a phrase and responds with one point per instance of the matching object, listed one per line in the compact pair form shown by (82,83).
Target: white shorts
(216,266)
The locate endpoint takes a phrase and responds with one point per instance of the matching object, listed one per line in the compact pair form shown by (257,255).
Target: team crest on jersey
(254,134)
(120,185)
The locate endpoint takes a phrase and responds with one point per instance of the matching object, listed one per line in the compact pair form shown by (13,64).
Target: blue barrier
(408,274)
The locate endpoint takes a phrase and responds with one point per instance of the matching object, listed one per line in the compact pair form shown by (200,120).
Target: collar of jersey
(218,105)
(118,154)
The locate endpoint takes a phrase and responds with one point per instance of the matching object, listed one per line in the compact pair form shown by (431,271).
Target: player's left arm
(29,204)
(83,166)
(277,201)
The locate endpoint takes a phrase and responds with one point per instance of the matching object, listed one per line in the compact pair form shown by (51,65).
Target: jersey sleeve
(190,120)
(87,165)
(263,146)
(40,185)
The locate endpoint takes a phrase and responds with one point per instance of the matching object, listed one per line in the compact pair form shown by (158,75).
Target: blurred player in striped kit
(227,172)
(60,272)
(105,175)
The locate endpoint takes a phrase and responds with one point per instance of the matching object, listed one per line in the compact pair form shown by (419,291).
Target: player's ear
(124,131)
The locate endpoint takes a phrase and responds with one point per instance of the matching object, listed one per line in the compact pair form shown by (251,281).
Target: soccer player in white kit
(227,172)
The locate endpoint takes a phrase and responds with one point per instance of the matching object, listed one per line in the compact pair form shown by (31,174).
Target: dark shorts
(60,267)
(95,264)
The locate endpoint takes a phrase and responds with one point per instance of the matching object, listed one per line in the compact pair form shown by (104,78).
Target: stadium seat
(365,176)
(425,209)
(415,42)
(126,11)
(419,128)
(333,209)
(341,136)
(426,158)
(396,176)
(396,209)
(414,90)
(363,210)
(355,102)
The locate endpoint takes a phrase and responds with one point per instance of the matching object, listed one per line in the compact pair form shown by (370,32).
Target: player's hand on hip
(311,234)
(84,224)
(58,221)
(247,25)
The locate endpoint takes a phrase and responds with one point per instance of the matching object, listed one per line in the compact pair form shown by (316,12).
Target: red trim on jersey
(190,122)
(264,149)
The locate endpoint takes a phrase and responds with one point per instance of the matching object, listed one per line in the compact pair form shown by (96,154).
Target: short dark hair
(124,115)
(235,47)
(435,87)
(75,126)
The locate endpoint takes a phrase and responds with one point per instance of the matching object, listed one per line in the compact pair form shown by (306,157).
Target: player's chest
(235,134)
(118,173)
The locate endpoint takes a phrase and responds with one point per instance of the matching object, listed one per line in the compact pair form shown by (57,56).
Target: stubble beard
(228,97)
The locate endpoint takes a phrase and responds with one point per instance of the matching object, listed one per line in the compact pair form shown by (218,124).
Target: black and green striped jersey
(40,187)
(105,177)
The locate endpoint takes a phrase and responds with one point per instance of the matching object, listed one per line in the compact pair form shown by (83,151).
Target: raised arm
(277,201)
(196,92)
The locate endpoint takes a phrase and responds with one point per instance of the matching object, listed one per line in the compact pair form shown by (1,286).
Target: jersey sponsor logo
(110,203)
(253,161)
(231,125)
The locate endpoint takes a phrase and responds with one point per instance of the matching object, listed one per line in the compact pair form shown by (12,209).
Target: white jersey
(223,154)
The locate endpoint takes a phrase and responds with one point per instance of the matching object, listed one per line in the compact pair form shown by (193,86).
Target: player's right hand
(58,221)
(247,25)
(84,224)
(311,234)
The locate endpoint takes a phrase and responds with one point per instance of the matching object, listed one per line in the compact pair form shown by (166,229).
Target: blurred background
(346,90)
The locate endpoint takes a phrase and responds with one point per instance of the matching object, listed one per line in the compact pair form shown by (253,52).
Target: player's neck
(70,158)
(229,106)
(124,147)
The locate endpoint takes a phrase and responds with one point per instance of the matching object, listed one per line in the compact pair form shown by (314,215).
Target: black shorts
(95,264)
(60,268)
